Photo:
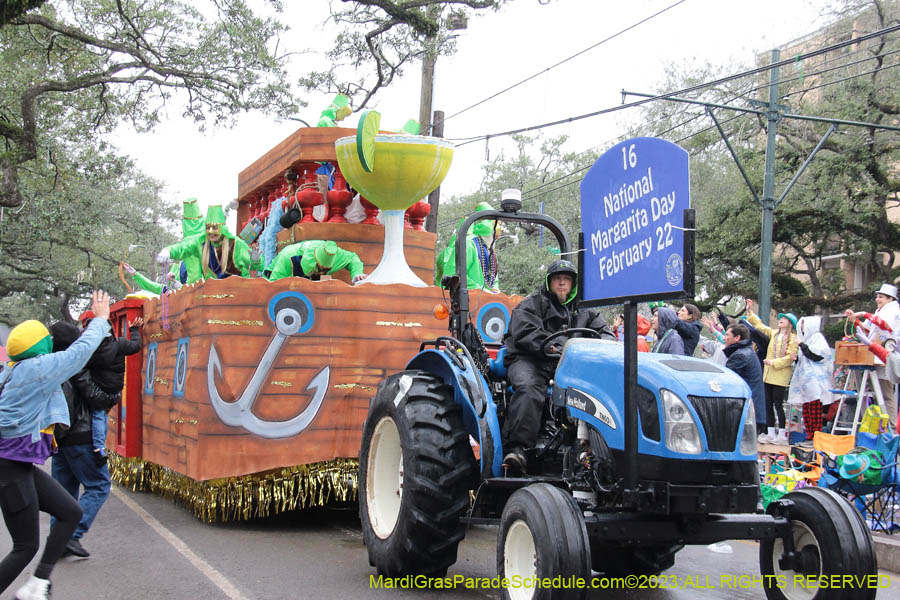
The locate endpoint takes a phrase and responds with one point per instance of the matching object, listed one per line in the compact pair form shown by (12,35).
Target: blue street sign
(632,208)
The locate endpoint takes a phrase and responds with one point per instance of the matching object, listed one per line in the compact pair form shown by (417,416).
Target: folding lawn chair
(871,483)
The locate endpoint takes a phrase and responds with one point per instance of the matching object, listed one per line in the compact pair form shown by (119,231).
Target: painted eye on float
(292,313)
(493,319)
(181,366)
(150,374)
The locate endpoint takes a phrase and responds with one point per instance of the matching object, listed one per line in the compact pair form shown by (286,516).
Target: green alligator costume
(481,266)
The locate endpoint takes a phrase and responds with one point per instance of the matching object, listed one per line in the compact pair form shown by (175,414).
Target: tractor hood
(597,367)
(590,382)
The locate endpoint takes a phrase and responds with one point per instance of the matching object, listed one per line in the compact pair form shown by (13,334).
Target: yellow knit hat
(28,339)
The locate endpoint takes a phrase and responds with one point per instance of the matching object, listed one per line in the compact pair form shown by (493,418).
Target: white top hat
(888,290)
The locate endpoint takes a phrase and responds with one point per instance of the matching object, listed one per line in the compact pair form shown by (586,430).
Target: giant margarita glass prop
(408,168)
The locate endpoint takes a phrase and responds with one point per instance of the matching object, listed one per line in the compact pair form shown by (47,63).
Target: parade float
(249,396)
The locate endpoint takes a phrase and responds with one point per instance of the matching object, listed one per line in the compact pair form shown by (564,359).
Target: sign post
(638,244)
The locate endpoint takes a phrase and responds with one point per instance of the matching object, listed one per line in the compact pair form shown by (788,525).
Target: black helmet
(562,266)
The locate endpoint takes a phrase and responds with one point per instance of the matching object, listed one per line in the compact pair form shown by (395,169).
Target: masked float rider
(481,261)
(543,313)
(220,253)
(180,272)
(315,257)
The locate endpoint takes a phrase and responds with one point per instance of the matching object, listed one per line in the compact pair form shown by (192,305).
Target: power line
(755,88)
(529,195)
(815,87)
(565,60)
(550,191)
(783,81)
(759,112)
(690,135)
(705,129)
(525,194)
(803,76)
(726,79)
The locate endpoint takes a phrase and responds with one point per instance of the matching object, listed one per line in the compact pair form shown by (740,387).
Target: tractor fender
(472,392)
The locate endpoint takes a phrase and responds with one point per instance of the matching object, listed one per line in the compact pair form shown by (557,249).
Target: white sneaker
(781,437)
(765,439)
(34,589)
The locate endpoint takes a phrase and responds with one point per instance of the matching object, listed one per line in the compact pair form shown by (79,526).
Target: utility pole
(434,198)
(425,98)
(456,21)
(425,102)
(773,115)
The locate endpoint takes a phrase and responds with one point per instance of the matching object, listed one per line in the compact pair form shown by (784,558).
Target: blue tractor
(591,501)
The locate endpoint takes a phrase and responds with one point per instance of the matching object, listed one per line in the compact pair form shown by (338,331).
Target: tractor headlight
(748,436)
(682,434)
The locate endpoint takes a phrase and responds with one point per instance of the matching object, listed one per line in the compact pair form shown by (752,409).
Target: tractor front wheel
(542,536)
(831,539)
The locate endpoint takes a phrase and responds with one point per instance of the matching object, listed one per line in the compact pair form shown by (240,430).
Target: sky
(497,50)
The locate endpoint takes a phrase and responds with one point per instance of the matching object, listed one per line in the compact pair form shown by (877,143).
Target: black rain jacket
(539,316)
(107,365)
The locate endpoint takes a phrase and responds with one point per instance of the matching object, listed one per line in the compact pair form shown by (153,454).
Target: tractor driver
(550,309)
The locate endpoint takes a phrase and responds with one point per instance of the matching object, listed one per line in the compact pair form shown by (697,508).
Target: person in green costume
(219,251)
(192,223)
(315,257)
(149,285)
(481,262)
(179,272)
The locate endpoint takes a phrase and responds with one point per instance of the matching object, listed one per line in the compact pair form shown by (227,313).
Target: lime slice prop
(365,138)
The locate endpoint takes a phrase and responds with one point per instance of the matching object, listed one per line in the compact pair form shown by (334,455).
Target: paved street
(144,546)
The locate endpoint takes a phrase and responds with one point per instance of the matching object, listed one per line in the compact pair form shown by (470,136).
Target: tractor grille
(721,419)
(648,412)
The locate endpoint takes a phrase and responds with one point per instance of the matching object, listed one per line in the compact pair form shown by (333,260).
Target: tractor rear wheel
(415,471)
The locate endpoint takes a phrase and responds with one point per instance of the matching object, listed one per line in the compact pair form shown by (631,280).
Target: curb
(887,550)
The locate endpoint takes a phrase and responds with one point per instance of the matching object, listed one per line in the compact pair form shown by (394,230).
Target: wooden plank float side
(361,333)
(304,145)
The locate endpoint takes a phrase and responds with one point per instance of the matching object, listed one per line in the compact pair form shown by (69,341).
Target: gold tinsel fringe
(247,496)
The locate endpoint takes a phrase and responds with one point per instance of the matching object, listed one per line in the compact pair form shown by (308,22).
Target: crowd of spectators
(794,359)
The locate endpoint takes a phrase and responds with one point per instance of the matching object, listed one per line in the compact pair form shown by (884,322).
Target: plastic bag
(786,480)
(771,493)
(720,548)
(875,420)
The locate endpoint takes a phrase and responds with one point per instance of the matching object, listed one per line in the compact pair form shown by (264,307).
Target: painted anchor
(287,311)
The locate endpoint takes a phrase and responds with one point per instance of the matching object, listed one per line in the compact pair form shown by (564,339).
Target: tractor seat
(498,370)
(495,365)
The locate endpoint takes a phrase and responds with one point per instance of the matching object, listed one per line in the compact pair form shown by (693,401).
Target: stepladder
(867,387)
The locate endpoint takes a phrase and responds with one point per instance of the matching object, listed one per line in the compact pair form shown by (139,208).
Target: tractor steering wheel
(568,333)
